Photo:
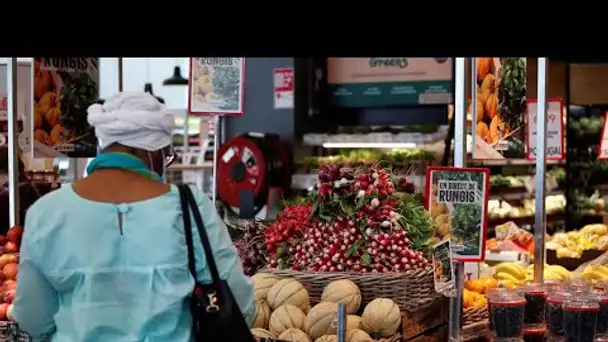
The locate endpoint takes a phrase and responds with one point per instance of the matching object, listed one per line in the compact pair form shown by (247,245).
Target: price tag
(555,129)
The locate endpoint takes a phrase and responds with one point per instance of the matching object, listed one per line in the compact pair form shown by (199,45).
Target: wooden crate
(439,334)
(416,323)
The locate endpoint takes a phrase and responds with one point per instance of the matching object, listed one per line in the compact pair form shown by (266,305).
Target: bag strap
(187,230)
(189,202)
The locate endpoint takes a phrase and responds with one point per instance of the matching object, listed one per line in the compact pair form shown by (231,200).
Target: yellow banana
(507,277)
(602,268)
(596,269)
(559,270)
(593,274)
(511,268)
(550,274)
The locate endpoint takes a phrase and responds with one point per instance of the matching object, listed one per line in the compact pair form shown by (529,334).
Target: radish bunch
(351,223)
(251,247)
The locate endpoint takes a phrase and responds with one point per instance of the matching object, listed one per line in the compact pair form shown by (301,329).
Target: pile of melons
(283,312)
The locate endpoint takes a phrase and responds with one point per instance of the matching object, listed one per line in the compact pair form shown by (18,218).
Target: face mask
(164,167)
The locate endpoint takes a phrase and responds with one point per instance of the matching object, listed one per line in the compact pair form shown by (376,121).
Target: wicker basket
(475,315)
(10,332)
(394,338)
(411,290)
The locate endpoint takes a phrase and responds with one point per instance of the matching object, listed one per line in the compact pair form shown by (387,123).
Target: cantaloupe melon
(294,335)
(343,291)
(284,317)
(262,282)
(288,291)
(262,314)
(358,335)
(322,320)
(262,333)
(381,318)
(353,322)
(327,338)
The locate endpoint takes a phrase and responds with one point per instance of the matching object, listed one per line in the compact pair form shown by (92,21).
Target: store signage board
(602,152)
(499,119)
(24,105)
(64,88)
(390,81)
(462,195)
(443,270)
(216,86)
(555,129)
(283,88)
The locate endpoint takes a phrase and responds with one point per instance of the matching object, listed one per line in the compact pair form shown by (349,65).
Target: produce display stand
(477,326)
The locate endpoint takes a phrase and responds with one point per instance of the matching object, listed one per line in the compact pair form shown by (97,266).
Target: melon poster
(216,86)
(389,81)
(64,87)
(500,109)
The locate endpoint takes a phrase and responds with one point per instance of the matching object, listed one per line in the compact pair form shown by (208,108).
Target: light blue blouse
(82,280)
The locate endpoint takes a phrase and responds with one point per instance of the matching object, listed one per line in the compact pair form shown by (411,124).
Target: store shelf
(500,162)
(524,220)
(512,194)
(410,139)
(184,167)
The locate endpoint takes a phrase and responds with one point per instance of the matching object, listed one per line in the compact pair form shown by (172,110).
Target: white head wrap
(134,119)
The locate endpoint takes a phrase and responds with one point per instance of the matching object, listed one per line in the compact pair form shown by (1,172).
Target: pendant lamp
(148,89)
(177,79)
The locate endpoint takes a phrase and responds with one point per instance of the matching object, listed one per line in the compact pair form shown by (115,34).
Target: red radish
(9,285)
(3,309)
(7,259)
(14,234)
(2,239)
(11,247)
(9,312)
(10,271)
(9,296)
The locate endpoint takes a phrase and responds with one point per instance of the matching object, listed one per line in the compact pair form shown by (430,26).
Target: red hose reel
(252,162)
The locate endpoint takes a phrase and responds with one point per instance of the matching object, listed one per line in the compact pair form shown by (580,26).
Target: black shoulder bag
(216,316)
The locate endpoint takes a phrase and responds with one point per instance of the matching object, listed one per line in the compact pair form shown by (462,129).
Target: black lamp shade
(176,79)
(148,89)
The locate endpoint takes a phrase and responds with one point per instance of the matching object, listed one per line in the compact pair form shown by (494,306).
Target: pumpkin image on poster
(500,106)
(64,88)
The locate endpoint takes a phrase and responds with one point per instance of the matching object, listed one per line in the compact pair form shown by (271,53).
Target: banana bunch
(595,272)
(551,272)
(510,274)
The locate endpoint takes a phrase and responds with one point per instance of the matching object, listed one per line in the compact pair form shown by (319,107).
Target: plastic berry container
(580,317)
(507,314)
(554,312)
(536,302)
(490,293)
(579,284)
(552,284)
(535,333)
(602,316)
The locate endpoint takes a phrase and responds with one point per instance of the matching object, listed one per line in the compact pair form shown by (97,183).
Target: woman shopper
(105,259)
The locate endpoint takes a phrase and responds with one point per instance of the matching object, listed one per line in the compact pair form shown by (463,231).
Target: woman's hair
(4,162)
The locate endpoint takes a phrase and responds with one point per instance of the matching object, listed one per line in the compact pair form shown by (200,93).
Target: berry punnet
(355,220)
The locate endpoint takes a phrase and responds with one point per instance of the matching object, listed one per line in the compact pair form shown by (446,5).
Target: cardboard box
(416,323)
